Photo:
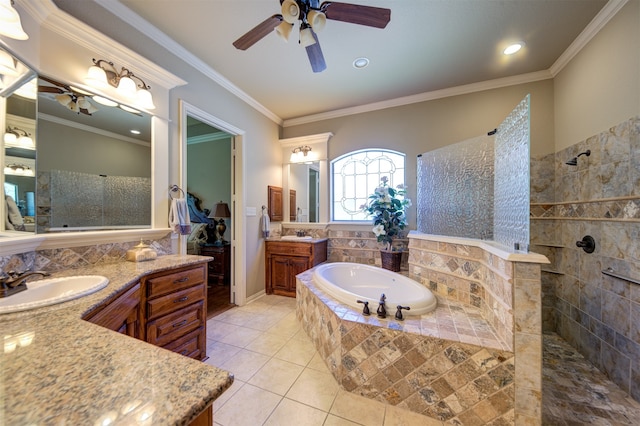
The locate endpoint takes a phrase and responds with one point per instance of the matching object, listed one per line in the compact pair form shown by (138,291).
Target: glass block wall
(511,182)
(479,188)
(455,189)
(87,200)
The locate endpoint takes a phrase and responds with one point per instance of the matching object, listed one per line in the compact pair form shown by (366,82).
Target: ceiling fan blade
(356,14)
(258,32)
(314,52)
(49,89)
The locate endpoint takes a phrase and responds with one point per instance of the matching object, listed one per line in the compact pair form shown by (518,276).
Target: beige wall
(600,87)
(209,172)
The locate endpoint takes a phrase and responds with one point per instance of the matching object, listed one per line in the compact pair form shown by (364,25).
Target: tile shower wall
(597,314)
(53,260)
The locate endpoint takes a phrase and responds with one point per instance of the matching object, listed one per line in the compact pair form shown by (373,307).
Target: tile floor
(281,380)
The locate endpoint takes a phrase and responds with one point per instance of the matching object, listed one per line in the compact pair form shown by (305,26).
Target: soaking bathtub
(349,282)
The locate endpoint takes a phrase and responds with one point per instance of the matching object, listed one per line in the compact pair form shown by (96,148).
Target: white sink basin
(50,291)
(295,237)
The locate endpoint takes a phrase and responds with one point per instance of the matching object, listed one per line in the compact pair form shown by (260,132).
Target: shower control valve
(399,316)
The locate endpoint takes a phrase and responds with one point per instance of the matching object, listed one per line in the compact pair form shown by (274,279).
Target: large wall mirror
(88,166)
(304,178)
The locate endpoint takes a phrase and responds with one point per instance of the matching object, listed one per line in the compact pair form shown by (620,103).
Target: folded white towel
(179,219)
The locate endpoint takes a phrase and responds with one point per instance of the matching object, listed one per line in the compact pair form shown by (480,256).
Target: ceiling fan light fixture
(290,11)
(64,99)
(306,36)
(317,20)
(284,30)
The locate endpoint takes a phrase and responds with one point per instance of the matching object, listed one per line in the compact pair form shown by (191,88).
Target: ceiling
(428,46)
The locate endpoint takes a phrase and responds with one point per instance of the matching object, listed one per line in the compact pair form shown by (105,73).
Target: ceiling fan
(312,17)
(74,100)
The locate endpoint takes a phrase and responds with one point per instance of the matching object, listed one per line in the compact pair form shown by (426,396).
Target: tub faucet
(399,316)
(365,309)
(15,282)
(382,312)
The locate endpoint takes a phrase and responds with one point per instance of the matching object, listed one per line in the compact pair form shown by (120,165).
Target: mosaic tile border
(621,209)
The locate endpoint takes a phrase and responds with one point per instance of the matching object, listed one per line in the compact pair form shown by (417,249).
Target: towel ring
(175,188)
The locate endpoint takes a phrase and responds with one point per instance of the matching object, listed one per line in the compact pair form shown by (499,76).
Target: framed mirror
(93,162)
(19,108)
(304,179)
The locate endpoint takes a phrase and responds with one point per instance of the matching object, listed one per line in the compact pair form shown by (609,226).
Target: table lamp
(221,211)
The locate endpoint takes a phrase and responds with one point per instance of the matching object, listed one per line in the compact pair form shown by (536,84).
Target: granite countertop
(76,372)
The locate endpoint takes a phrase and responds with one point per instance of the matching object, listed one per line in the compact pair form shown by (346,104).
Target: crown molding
(310,139)
(48,15)
(423,97)
(597,23)
(133,19)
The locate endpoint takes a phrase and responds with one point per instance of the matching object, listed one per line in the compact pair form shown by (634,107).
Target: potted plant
(387,207)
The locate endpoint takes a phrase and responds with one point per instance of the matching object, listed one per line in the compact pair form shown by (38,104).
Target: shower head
(574,160)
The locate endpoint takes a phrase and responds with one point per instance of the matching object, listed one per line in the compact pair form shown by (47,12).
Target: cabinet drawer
(164,330)
(302,249)
(170,302)
(164,284)
(191,344)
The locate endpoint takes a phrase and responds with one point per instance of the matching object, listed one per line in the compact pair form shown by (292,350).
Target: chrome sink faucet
(300,233)
(15,282)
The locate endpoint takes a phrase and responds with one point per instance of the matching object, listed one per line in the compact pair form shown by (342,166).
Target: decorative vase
(391,260)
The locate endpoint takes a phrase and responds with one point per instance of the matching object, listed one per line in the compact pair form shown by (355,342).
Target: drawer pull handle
(184,352)
(182,299)
(181,280)
(180,324)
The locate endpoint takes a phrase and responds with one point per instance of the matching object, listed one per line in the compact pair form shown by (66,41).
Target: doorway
(208,158)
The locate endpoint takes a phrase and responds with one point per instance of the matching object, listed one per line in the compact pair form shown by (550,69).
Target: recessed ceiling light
(360,63)
(513,48)
(135,132)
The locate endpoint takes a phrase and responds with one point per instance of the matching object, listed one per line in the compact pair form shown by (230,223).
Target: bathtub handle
(365,310)
(399,316)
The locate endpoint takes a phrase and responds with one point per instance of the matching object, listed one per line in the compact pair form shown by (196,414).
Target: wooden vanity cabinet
(175,310)
(121,314)
(286,259)
(167,309)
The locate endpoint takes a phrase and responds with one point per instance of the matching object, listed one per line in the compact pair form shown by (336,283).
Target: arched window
(355,175)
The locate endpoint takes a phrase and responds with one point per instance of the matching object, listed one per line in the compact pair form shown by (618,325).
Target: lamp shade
(306,37)
(97,77)
(10,24)
(127,87)
(145,100)
(284,30)
(221,210)
(317,20)
(290,11)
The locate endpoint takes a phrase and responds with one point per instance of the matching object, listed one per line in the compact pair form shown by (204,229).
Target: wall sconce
(18,170)
(10,24)
(18,138)
(103,74)
(222,211)
(299,154)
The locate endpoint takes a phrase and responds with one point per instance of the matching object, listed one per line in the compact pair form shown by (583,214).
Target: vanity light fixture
(103,74)
(10,24)
(18,138)
(299,154)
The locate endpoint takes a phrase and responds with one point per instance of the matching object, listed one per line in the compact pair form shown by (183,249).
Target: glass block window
(355,175)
